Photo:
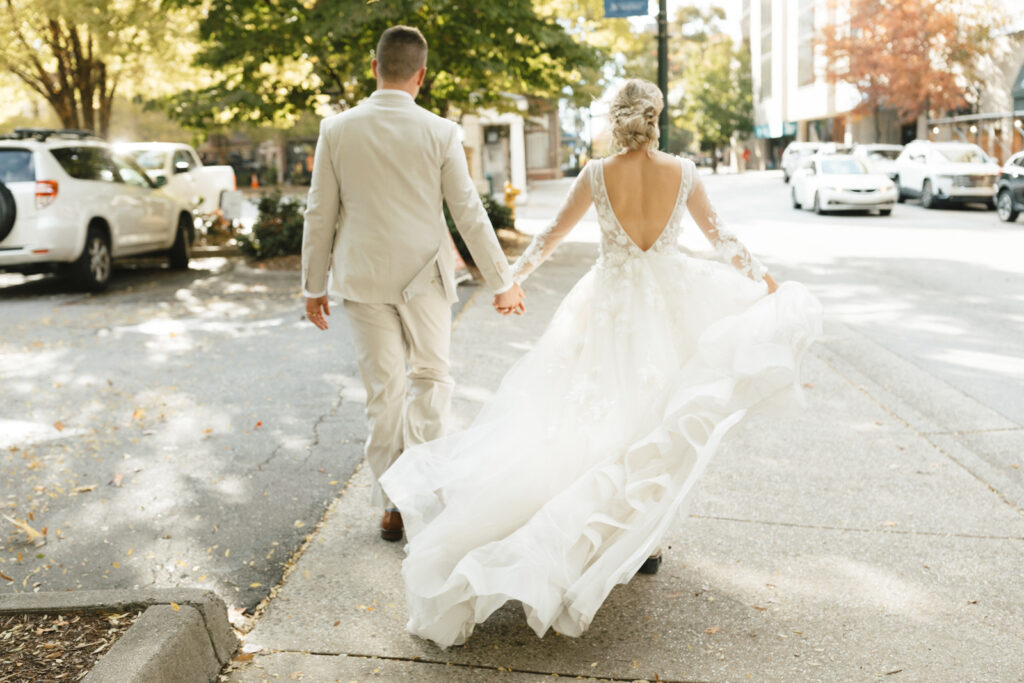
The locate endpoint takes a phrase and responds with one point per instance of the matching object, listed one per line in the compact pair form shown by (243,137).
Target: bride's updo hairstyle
(634,115)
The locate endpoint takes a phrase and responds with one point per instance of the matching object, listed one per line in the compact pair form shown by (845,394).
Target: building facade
(794,101)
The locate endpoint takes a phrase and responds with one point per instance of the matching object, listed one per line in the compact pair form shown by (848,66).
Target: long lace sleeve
(725,243)
(575,205)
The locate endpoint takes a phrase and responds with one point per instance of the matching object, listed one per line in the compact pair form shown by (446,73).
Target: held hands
(317,310)
(772,284)
(510,301)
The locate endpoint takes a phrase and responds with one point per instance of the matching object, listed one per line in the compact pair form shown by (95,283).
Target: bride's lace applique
(575,205)
(617,249)
(725,242)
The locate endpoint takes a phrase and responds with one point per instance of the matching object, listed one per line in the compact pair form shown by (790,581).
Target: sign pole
(663,121)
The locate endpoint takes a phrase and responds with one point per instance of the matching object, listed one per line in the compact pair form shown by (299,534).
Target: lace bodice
(616,246)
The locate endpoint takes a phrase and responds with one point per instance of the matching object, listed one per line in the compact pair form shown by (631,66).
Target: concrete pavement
(868,538)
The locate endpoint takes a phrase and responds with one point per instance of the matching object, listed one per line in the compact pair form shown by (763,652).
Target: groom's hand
(317,310)
(510,301)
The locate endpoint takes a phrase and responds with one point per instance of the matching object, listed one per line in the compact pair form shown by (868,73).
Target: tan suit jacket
(374,216)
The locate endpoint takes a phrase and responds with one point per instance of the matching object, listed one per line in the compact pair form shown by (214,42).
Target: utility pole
(663,72)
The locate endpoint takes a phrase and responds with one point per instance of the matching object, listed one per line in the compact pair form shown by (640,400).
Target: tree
(714,78)
(914,56)
(277,59)
(79,54)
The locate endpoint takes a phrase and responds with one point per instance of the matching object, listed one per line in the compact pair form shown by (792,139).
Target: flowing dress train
(571,474)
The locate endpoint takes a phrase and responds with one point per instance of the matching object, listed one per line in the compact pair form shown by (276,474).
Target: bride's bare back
(642,190)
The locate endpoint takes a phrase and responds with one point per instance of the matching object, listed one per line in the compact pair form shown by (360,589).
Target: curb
(183,634)
(205,252)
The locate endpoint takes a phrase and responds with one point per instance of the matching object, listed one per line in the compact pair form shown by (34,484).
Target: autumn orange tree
(914,56)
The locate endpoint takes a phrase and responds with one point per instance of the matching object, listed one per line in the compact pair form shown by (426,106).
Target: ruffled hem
(567,550)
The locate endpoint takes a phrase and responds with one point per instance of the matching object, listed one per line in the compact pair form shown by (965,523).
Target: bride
(571,474)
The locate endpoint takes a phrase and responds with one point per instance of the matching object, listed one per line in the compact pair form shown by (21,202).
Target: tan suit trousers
(403,407)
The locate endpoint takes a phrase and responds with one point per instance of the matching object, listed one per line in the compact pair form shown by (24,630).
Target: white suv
(795,153)
(69,203)
(939,172)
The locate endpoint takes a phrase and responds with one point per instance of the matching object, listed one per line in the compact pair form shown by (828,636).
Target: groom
(374,220)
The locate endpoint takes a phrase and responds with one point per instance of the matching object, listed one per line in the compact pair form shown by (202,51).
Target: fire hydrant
(510,198)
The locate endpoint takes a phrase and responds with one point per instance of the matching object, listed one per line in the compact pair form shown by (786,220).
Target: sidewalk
(865,539)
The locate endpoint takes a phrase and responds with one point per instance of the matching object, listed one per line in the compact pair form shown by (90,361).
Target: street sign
(625,8)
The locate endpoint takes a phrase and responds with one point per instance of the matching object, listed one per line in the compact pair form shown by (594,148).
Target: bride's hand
(772,284)
(510,301)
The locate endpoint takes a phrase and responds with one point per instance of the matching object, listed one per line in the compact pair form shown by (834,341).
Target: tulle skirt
(573,471)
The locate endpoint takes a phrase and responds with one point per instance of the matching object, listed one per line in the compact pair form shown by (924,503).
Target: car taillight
(46,192)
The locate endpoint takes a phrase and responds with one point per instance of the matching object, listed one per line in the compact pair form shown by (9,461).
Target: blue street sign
(625,8)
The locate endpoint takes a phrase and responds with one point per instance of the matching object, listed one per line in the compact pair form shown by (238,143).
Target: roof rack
(41,134)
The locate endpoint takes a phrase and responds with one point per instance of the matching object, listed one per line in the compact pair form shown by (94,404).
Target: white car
(204,188)
(69,203)
(939,172)
(840,182)
(878,156)
(795,154)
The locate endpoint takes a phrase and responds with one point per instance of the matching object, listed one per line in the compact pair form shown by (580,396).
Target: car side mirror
(160,181)
(180,166)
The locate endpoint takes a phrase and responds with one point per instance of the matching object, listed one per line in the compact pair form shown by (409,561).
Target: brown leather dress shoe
(391,527)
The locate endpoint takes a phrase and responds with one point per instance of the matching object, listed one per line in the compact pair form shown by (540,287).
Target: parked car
(938,172)
(203,188)
(1010,189)
(878,156)
(794,155)
(68,202)
(841,182)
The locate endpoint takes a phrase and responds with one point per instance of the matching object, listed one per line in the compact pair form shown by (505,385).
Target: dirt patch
(57,647)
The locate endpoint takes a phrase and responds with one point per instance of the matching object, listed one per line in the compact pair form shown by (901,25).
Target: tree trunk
(714,159)
(878,125)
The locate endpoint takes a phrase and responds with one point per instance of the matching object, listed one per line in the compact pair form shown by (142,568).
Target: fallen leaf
(83,489)
(255,584)
(25,527)
(116,565)
(7,578)
(759,607)
(118,478)
(138,414)
(713,629)
(244,657)
(59,426)
(887,523)
(259,424)
(175,606)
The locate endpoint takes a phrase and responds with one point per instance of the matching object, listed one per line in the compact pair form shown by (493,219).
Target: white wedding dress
(573,471)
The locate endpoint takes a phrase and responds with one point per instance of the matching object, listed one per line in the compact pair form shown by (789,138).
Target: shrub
(499,214)
(278,228)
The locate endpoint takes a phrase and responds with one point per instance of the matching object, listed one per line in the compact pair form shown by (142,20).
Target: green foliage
(277,59)
(717,100)
(499,215)
(78,55)
(278,229)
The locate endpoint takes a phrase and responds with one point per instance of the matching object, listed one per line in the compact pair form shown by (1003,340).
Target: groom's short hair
(401,52)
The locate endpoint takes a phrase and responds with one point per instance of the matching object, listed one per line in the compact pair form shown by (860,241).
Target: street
(191,429)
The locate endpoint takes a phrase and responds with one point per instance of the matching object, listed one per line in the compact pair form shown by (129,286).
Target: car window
(87,163)
(131,173)
(17,165)
(962,155)
(842,166)
(183,161)
(149,159)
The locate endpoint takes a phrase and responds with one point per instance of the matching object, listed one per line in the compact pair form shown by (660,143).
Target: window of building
(805,49)
(766,49)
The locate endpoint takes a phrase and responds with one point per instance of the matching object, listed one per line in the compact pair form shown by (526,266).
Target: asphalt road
(178,429)
(190,429)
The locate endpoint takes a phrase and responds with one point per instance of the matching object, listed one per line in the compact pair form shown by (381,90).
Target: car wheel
(1004,207)
(817,205)
(885,212)
(92,269)
(900,197)
(181,250)
(8,212)
(796,204)
(927,196)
